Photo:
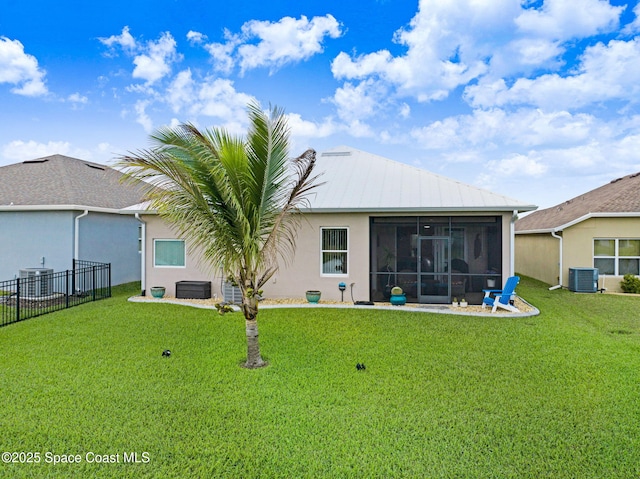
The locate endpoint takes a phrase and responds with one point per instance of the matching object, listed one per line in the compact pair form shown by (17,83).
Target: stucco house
(373,224)
(599,229)
(57,208)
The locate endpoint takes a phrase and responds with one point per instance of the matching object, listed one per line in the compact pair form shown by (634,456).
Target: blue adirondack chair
(500,298)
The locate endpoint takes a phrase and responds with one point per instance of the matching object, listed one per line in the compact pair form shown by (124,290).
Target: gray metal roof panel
(357,180)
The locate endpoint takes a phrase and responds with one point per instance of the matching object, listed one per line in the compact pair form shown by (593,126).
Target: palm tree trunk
(250,310)
(254,360)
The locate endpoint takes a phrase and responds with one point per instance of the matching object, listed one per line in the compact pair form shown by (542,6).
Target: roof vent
(41,160)
(95,167)
(336,153)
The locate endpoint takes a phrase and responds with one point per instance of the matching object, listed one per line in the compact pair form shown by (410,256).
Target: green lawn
(553,396)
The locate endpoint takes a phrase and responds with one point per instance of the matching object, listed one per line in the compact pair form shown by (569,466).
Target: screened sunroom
(435,258)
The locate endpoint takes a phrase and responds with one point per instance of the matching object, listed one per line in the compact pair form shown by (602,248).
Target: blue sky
(537,100)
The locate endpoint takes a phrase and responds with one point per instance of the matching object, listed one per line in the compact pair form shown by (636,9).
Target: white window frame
(616,256)
(161,240)
(323,251)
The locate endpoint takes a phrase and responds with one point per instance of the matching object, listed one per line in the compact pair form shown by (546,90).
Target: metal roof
(354,180)
(357,181)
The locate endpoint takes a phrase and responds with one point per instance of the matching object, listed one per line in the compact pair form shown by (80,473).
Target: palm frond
(234,199)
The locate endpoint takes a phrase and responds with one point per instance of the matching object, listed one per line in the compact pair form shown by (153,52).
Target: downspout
(143,255)
(512,243)
(76,239)
(559,285)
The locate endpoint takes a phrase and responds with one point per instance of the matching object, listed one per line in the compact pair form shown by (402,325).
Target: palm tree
(237,200)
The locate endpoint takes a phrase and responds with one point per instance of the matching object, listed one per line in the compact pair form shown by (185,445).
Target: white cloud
(518,165)
(489,130)
(448,43)
(195,37)
(605,72)
(20,69)
(355,102)
(142,117)
(634,26)
(214,97)
(222,53)
(180,92)
(301,128)
(124,41)
(77,100)
(152,60)
(219,98)
(487,45)
(19,150)
(566,19)
(272,45)
(156,62)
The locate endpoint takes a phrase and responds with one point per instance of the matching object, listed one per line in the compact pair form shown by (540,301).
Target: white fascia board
(533,232)
(94,209)
(417,210)
(557,229)
(624,214)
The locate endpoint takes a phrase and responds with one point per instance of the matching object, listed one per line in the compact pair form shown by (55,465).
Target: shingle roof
(355,180)
(620,196)
(61,180)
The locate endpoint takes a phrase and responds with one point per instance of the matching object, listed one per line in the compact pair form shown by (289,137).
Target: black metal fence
(39,292)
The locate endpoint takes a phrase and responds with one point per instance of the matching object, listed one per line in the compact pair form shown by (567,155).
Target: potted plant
(463,303)
(491,281)
(454,303)
(313,296)
(398,298)
(157,291)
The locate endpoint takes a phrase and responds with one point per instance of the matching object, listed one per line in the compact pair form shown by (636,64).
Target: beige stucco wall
(303,272)
(538,256)
(167,277)
(299,274)
(578,244)
(535,255)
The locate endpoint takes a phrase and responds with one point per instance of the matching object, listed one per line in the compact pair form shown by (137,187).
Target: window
(168,253)
(335,251)
(617,257)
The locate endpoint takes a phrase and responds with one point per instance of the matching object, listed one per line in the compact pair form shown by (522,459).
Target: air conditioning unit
(36,281)
(583,280)
(231,294)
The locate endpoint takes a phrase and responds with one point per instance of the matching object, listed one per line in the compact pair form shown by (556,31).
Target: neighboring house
(56,208)
(373,224)
(599,229)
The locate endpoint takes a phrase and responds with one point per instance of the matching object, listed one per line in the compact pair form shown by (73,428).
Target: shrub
(630,284)
(396,290)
